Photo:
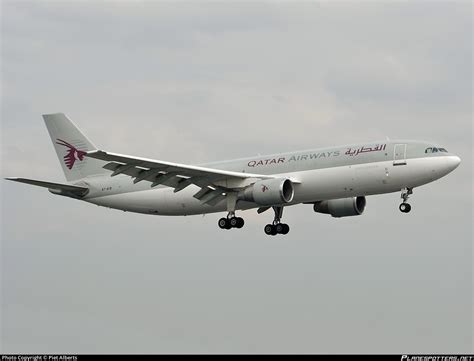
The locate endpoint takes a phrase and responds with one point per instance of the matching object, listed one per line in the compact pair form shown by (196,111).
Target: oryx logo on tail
(72,155)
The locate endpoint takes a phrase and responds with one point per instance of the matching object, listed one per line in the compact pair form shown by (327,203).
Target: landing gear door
(399,154)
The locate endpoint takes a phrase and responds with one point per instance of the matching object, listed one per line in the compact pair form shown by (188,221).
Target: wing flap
(202,193)
(215,200)
(210,196)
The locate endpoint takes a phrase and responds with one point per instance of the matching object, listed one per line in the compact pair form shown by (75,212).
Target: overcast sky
(197,82)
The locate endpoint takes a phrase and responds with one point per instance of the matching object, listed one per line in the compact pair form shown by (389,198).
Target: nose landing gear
(404,206)
(277,227)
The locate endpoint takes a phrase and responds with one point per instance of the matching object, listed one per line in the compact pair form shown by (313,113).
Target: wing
(214,183)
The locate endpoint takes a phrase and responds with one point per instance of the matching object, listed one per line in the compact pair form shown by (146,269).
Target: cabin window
(442,150)
(428,150)
(435,150)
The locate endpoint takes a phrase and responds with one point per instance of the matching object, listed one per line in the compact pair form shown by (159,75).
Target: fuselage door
(399,154)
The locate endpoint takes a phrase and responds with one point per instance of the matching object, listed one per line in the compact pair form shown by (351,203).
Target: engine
(269,192)
(343,207)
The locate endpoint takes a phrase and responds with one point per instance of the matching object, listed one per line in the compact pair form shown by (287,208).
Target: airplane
(335,180)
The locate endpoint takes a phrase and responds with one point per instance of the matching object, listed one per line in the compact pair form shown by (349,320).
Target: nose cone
(452,162)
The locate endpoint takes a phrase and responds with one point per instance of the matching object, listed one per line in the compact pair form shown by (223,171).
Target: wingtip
(51,114)
(95,153)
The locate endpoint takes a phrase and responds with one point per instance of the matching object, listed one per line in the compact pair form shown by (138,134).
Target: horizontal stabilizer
(56,188)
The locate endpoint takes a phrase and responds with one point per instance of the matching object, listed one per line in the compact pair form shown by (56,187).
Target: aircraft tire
(223,223)
(269,229)
(234,221)
(240,222)
(404,208)
(279,228)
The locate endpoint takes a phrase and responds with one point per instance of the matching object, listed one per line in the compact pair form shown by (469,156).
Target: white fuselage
(338,175)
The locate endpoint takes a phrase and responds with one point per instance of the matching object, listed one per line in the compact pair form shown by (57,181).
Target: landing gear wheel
(233,222)
(274,229)
(270,229)
(405,207)
(282,228)
(223,223)
(240,222)
(279,228)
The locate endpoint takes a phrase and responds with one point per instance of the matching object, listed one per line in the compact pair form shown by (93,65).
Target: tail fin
(71,146)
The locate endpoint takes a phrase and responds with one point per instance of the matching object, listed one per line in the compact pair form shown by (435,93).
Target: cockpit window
(435,150)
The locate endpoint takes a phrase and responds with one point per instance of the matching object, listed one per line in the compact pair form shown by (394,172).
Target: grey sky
(197,82)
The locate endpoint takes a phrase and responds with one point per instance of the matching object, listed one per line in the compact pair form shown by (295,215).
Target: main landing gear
(231,221)
(404,206)
(277,227)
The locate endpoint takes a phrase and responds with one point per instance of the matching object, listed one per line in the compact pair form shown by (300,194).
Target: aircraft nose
(452,162)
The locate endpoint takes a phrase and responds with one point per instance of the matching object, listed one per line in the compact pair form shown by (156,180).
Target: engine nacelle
(343,207)
(269,192)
